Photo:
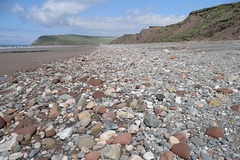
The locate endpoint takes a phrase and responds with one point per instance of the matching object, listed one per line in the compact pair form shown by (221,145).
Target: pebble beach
(163,101)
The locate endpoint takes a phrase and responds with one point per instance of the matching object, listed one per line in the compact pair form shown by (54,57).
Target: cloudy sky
(23,21)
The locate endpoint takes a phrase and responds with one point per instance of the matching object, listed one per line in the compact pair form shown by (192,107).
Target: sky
(23,21)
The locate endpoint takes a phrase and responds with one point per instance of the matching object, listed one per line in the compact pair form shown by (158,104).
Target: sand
(13,62)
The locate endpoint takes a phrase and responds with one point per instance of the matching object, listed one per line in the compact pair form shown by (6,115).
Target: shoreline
(22,59)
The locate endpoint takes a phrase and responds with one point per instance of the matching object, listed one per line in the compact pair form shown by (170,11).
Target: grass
(72,40)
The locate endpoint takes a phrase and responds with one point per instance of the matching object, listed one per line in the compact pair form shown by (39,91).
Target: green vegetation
(72,40)
(215,23)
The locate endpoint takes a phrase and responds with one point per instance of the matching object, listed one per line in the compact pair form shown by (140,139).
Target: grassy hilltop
(72,40)
(217,23)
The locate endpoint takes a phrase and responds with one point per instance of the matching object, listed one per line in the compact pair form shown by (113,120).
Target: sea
(5,48)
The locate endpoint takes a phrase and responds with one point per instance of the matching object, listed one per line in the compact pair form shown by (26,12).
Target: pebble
(83,115)
(133,128)
(94,155)
(167,156)
(182,150)
(205,156)
(215,132)
(34,152)
(123,139)
(133,95)
(197,141)
(107,135)
(173,140)
(135,157)
(50,142)
(111,152)
(66,133)
(151,120)
(15,156)
(148,156)
(85,141)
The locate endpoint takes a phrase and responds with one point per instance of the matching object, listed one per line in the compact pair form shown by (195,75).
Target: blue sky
(23,21)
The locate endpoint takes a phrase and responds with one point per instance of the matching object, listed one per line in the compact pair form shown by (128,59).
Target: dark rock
(151,120)
(160,97)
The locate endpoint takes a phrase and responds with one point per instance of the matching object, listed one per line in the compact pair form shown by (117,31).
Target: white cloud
(55,12)
(17,8)
(67,14)
(121,25)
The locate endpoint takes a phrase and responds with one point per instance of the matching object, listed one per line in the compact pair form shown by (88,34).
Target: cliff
(217,23)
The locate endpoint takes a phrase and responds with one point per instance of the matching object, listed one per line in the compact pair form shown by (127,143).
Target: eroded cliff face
(211,24)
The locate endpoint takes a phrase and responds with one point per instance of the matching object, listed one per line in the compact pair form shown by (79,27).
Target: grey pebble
(205,156)
(34,152)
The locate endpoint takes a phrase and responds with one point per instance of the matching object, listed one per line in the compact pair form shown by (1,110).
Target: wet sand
(29,58)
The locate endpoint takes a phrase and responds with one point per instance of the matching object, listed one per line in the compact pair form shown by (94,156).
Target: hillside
(217,23)
(72,40)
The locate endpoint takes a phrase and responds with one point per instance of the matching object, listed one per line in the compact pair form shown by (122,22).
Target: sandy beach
(29,58)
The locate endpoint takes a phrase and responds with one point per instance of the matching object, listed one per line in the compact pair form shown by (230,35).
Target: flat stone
(109,116)
(50,143)
(182,150)
(83,115)
(181,93)
(158,110)
(215,102)
(86,141)
(95,82)
(111,152)
(197,141)
(173,57)
(135,157)
(8,118)
(133,128)
(55,112)
(65,97)
(11,111)
(225,91)
(91,105)
(133,105)
(205,156)
(236,108)
(173,140)
(66,133)
(123,139)
(107,135)
(102,110)
(81,102)
(15,156)
(170,89)
(98,94)
(182,137)
(148,156)
(7,145)
(94,155)
(34,152)
(2,122)
(167,156)
(151,120)
(85,121)
(99,145)
(26,130)
(215,132)
(97,128)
